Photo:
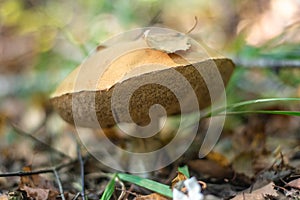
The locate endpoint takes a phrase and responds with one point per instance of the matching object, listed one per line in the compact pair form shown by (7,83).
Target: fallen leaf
(38,193)
(295,184)
(37,186)
(257,194)
(35,180)
(167,42)
(153,196)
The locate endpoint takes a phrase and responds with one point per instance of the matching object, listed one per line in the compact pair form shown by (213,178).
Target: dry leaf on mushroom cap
(167,42)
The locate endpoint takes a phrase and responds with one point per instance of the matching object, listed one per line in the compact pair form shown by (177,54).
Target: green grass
(110,188)
(274,112)
(184,170)
(147,183)
(235,107)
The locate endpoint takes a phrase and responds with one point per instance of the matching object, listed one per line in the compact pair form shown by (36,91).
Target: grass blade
(252,102)
(184,170)
(147,183)
(110,188)
(275,112)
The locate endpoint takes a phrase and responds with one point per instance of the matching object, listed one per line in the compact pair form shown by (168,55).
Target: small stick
(61,191)
(81,171)
(128,192)
(194,26)
(42,171)
(123,190)
(77,195)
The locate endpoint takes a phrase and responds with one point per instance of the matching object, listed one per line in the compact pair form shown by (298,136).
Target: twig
(47,146)
(194,26)
(129,191)
(76,196)
(123,192)
(42,171)
(81,171)
(61,191)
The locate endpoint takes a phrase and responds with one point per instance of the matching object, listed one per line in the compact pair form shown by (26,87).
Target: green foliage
(274,112)
(235,108)
(110,188)
(147,183)
(184,170)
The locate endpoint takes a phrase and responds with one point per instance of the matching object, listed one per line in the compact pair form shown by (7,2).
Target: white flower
(193,191)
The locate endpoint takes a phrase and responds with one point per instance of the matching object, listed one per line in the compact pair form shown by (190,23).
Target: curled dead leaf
(167,42)
(37,186)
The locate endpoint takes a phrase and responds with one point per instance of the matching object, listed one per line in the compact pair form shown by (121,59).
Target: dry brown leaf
(295,184)
(257,194)
(167,42)
(179,178)
(38,193)
(153,196)
(37,186)
(35,180)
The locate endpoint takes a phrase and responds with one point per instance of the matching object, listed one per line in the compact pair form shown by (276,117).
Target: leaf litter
(256,164)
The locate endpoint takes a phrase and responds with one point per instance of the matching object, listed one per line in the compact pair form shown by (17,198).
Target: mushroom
(122,80)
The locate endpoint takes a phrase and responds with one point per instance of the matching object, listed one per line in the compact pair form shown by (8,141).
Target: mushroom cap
(95,92)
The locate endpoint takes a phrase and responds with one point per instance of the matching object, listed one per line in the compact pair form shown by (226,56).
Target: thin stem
(77,195)
(219,111)
(61,191)
(42,171)
(81,171)
(123,193)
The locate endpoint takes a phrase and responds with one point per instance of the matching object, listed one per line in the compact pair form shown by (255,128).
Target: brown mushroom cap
(84,98)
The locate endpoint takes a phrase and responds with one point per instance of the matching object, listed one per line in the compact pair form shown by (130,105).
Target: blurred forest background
(42,41)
